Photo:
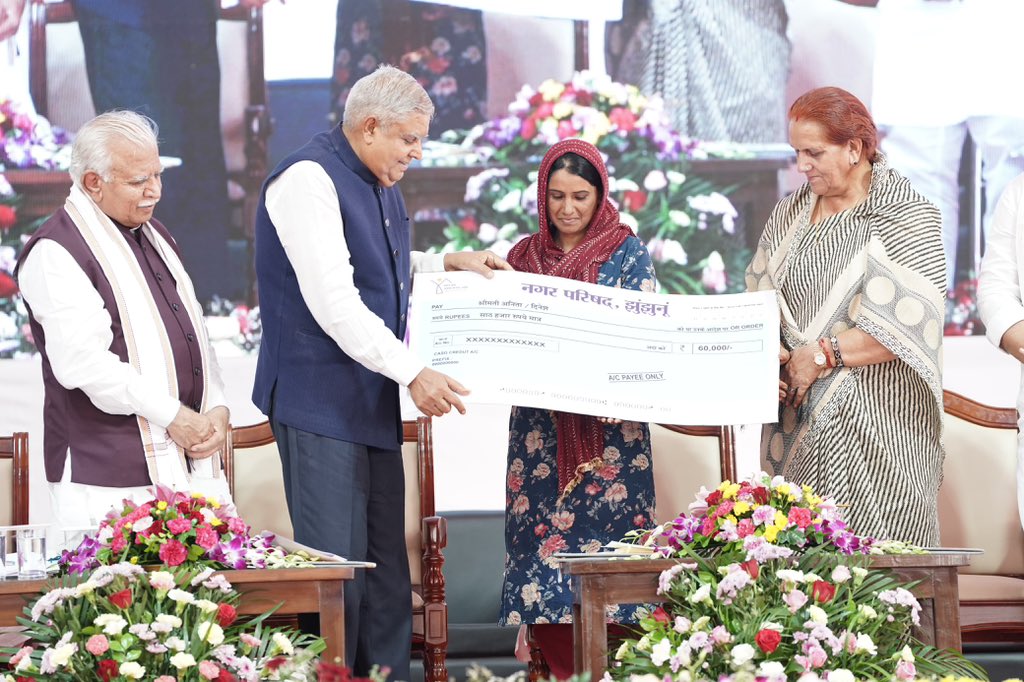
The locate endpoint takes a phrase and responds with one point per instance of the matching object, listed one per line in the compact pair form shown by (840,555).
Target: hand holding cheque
(552,343)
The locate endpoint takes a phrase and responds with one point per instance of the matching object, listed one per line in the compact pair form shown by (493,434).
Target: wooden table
(302,590)
(42,192)
(597,583)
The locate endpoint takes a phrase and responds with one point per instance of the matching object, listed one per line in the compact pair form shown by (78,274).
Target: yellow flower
(637,102)
(782,489)
(780,520)
(551,90)
(161,505)
(741,508)
(771,533)
(596,128)
(562,110)
(729,490)
(732,518)
(134,559)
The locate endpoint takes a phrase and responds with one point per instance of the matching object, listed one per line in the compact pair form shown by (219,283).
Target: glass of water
(31,552)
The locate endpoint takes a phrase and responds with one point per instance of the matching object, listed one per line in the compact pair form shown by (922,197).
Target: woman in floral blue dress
(574,482)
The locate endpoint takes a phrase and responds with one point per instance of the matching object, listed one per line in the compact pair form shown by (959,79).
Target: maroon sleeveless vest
(106,449)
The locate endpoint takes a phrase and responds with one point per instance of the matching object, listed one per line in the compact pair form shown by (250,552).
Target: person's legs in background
(929,156)
(555,642)
(195,201)
(1000,141)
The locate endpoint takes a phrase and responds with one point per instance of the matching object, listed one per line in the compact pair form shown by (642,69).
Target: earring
(855,162)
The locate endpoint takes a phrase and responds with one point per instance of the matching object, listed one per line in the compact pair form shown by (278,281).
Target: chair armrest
(435,609)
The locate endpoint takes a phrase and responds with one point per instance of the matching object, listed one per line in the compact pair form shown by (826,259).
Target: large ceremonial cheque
(555,343)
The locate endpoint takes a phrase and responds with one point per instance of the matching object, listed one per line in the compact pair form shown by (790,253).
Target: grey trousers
(349,499)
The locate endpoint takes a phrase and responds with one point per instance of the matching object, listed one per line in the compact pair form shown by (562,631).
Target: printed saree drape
(869,436)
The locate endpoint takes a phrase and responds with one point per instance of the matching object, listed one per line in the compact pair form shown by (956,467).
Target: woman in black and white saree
(855,256)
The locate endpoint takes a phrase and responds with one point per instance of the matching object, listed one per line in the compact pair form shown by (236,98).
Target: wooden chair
(685,458)
(251,126)
(978,508)
(15,448)
(258,491)
(426,535)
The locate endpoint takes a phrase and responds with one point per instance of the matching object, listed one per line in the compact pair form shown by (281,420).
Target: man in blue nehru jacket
(333,265)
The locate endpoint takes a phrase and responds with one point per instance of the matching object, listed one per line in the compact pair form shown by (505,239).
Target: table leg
(947,609)
(332,619)
(590,627)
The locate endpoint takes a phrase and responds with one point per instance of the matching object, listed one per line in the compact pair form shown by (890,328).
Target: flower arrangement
(813,619)
(772,585)
(27,140)
(962,316)
(174,529)
(612,116)
(759,518)
(234,328)
(15,334)
(689,225)
(124,623)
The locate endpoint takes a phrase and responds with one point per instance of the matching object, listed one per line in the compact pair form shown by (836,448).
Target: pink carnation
(800,516)
(209,670)
(97,645)
(249,640)
(179,525)
(237,526)
(206,537)
(165,678)
(25,651)
(795,600)
(906,670)
(173,553)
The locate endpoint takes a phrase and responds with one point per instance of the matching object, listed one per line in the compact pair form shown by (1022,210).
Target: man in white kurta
(999,294)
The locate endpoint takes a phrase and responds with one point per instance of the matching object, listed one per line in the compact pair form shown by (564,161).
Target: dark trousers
(350,499)
(172,74)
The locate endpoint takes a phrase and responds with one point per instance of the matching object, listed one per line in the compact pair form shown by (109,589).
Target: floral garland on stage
(689,226)
(772,586)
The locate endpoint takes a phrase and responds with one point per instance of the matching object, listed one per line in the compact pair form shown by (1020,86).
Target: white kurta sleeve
(999,283)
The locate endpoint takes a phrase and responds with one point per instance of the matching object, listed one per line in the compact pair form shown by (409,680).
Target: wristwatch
(819,359)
